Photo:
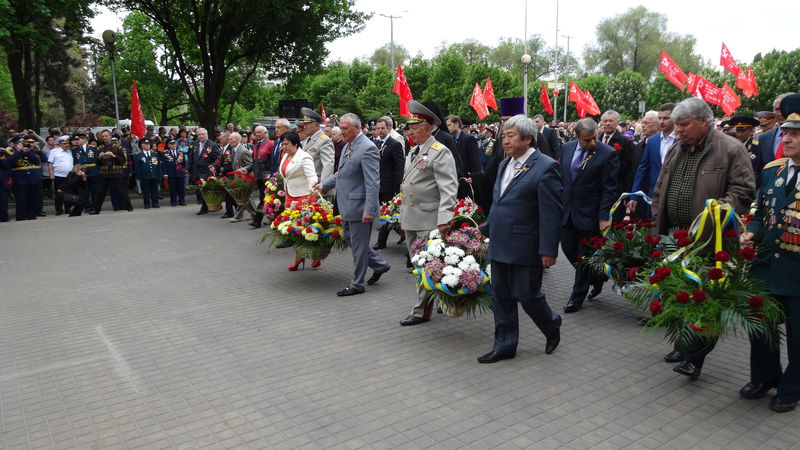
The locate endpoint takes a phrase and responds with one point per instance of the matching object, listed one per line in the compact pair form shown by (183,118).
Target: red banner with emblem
(488,94)
(545,98)
(726,60)
(671,70)
(730,101)
(138,128)
(478,102)
(403,91)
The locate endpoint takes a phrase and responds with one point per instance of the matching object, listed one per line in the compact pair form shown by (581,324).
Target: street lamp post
(526,61)
(566,82)
(391,37)
(109,38)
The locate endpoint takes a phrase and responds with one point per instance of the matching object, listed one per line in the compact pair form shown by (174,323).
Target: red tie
(779,153)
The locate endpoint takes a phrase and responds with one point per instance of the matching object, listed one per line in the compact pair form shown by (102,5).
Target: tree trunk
(37,91)
(21,84)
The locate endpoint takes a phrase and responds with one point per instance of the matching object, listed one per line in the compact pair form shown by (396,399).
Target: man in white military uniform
(318,144)
(429,185)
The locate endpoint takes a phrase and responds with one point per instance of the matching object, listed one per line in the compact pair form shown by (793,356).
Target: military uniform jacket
(147,168)
(429,185)
(5,167)
(778,218)
(173,164)
(320,147)
(86,156)
(26,167)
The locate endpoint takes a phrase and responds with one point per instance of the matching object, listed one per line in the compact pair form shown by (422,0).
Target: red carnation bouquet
(310,227)
(703,288)
(467,213)
(239,186)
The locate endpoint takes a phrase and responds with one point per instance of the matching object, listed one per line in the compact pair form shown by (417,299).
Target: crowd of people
(542,186)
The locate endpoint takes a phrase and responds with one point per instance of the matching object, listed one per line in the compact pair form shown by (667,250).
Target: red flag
(691,82)
(488,94)
(730,101)
(324,117)
(671,70)
(591,105)
(478,102)
(707,91)
(577,96)
(401,89)
(742,82)
(138,127)
(726,60)
(546,100)
(751,79)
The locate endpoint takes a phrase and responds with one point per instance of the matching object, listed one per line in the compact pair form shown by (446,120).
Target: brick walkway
(162,329)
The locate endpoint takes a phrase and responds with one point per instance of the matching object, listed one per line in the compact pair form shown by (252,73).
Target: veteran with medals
(429,191)
(318,145)
(777,223)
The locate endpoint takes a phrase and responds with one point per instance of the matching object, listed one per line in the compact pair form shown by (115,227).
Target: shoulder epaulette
(755,141)
(437,146)
(9,151)
(324,137)
(776,163)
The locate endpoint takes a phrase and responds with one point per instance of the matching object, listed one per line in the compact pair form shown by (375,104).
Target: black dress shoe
(755,390)
(402,239)
(284,245)
(689,369)
(412,320)
(493,357)
(596,290)
(93,213)
(255,225)
(201,212)
(673,357)
(41,214)
(226,216)
(378,247)
(348,291)
(376,276)
(781,406)
(572,306)
(554,338)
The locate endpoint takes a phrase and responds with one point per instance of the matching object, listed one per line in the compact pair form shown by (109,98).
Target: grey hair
(651,113)
(386,121)
(610,112)
(262,127)
(539,116)
(336,130)
(284,122)
(235,135)
(695,108)
(585,125)
(525,126)
(353,119)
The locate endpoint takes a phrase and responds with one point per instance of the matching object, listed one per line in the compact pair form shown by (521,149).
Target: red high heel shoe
(294,267)
(316,263)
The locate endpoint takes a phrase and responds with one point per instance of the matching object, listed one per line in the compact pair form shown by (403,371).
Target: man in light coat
(357,181)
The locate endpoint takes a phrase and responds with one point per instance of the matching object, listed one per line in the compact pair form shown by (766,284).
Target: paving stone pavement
(162,329)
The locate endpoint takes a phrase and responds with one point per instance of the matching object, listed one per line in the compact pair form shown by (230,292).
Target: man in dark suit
(203,162)
(468,160)
(393,162)
(654,152)
(622,145)
(589,170)
(551,145)
(527,195)
(768,143)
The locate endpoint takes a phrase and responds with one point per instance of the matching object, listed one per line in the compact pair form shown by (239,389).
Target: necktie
(575,167)
(792,181)
(606,139)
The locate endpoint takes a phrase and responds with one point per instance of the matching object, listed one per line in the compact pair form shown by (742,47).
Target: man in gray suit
(242,163)
(429,191)
(357,181)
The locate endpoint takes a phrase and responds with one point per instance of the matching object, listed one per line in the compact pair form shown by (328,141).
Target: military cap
(61,139)
(419,113)
(78,135)
(436,110)
(743,121)
(790,109)
(171,141)
(15,139)
(725,124)
(372,123)
(29,138)
(765,116)
(310,116)
(114,138)
(512,106)
(145,141)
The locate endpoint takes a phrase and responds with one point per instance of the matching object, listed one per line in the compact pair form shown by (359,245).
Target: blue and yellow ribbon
(616,204)
(425,281)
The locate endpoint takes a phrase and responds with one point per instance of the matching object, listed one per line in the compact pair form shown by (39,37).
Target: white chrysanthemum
(454,251)
(450,280)
(486,241)
(489,272)
(451,260)
(434,234)
(435,249)
(468,263)
(451,270)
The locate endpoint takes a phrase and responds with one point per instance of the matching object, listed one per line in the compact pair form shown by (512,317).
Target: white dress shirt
(511,169)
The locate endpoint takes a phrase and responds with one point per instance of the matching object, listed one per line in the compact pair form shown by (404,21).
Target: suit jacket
(242,157)
(299,176)
(470,159)
(148,168)
(171,164)
(589,197)
(521,226)
(649,166)
(320,147)
(429,186)
(553,149)
(357,180)
(626,152)
(201,156)
(393,161)
(778,266)
(764,143)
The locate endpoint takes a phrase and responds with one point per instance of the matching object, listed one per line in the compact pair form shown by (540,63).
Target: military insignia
(154,160)
(324,137)
(437,146)
(144,160)
(312,149)
(90,154)
(779,182)
(770,191)
(752,156)
(423,163)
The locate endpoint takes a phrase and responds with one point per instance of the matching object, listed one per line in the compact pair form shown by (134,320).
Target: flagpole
(555,66)
(526,60)
(566,82)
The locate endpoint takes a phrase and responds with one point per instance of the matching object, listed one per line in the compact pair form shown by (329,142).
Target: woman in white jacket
(297,168)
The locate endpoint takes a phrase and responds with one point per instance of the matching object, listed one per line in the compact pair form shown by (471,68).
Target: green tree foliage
(35,36)
(381,56)
(662,91)
(446,83)
(377,97)
(211,40)
(623,93)
(634,40)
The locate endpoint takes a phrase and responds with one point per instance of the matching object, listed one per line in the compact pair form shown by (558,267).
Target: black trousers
(765,359)
(511,284)
(696,351)
(25,195)
(585,276)
(89,192)
(59,196)
(229,204)
(74,208)
(150,192)
(3,202)
(383,236)
(177,191)
(117,184)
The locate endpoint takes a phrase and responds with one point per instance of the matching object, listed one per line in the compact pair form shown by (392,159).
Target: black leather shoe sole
(572,307)
(493,357)
(781,406)
(378,247)
(413,320)
(673,357)
(688,369)
(754,391)
(346,292)
(554,339)
(376,276)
